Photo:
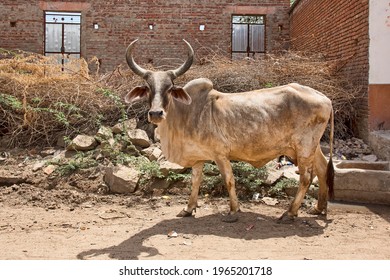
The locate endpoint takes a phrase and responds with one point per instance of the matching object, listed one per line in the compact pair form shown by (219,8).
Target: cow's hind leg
(305,166)
(320,168)
(227,175)
(196,178)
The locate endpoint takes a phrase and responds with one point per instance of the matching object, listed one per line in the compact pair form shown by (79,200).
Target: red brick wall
(121,21)
(339,30)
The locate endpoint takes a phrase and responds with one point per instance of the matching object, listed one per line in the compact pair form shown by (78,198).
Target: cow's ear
(136,93)
(181,95)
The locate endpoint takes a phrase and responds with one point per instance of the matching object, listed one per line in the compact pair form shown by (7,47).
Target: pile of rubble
(353,149)
(111,158)
(127,159)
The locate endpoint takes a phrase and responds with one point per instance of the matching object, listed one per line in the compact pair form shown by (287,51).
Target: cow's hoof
(230,218)
(183,213)
(286,218)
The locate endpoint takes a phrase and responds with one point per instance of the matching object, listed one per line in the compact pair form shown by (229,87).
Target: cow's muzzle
(156,116)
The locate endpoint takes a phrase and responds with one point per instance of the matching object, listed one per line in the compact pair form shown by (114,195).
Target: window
(248,35)
(62,35)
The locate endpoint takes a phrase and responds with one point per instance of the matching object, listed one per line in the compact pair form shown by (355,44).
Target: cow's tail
(330,168)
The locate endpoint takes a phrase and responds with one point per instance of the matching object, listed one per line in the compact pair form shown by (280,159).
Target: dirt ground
(67,224)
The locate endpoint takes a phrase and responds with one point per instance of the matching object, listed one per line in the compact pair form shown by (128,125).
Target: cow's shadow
(250,226)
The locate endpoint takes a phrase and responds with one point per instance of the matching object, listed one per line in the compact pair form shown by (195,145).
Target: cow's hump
(199,85)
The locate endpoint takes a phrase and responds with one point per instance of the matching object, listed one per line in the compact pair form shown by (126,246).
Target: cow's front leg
(196,178)
(227,175)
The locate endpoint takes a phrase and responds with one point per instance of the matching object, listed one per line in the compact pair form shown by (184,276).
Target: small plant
(174,177)
(279,188)
(10,101)
(247,175)
(80,161)
(150,169)
(210,169)
(99,119)
(66,106)
(213,182)
(117,101)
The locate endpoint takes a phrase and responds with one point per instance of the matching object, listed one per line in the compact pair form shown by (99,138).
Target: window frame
(62,51)
(249,52)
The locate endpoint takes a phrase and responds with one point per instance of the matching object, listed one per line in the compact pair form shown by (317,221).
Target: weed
(210,169)
(175,177)
(117,101)
(150,169)
(279,188)
(247,175)
(80,161)
(10,101)
(67,106)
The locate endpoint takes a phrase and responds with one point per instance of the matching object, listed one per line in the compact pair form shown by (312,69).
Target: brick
(121,21)
(338,30)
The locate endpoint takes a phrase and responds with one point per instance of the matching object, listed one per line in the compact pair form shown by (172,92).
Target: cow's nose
(158,113)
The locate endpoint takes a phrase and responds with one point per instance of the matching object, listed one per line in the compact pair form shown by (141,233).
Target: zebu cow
(197,123)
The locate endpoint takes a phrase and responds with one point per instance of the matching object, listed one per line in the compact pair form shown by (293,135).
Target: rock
(38,165)
(149,129)
(131,150)
(9,179)
(167,166)
(370,158)
(82,143)
(139,138)
(275,174)
(270,201)
(160,184)
(380,143)
(104,133)
(49,169)
(107,147)
(291,172)
(48,152)
(152,153)
(122,179)
(127,125)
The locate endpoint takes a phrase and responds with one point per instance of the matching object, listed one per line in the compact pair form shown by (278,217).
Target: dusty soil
(68,224)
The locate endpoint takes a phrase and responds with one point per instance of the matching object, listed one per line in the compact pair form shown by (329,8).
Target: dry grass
(39,101)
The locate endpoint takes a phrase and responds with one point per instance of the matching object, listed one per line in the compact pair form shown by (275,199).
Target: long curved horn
(138,70)
(186,65)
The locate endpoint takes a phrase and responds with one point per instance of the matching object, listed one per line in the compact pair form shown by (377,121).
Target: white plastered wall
(379,49)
